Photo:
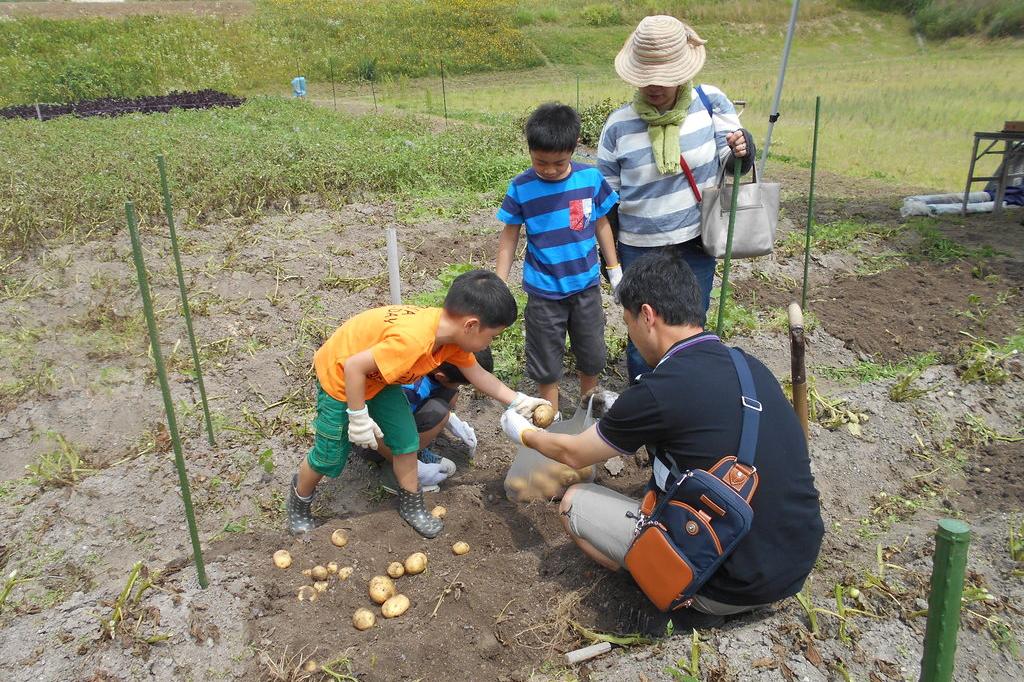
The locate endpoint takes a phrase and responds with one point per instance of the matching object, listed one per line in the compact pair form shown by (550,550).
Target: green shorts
(389,408)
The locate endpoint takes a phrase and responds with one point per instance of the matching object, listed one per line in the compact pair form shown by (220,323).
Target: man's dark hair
(665,282)
(453,374)
(553,128)
(481,293)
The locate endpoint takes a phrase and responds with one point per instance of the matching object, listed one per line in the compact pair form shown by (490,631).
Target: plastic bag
(533,476)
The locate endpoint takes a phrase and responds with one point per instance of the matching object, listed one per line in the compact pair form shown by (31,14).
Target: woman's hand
(737,143)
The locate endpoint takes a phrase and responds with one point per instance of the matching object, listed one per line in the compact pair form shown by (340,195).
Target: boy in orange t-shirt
(360,371)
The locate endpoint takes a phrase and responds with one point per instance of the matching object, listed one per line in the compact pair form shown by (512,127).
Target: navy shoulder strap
(706,101)
(751,409)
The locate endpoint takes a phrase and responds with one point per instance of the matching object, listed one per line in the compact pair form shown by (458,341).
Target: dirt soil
(80,394)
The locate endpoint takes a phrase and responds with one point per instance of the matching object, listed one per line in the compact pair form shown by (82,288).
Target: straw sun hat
(661,51)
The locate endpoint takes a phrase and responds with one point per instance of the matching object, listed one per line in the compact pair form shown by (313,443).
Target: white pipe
(587,653)
(393,277)
(778,88)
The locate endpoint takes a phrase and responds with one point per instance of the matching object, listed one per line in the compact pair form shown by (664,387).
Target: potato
(516,484)
(460,547)
(543,416)
(307,593)
(438,512)
(363,619)
(332,567)
(311,666)
(586,473)
(318,573)
(396,569)
(416,563)
(282,558)
(320,585)
(568,477)
(545,486)
(339,538)
(344,572)
(395,606)
(381,589)
(308,572)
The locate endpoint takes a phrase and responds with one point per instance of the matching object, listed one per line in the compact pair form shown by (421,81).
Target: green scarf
(663,128)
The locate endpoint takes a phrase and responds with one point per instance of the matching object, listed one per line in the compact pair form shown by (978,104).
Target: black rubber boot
(300,517)
(412,509)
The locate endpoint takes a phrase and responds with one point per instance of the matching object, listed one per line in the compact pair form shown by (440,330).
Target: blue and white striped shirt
(560,218)
(657,209)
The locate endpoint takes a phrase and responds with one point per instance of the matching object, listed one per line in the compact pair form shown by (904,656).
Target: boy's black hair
(553,127)
(481,293)
(667,284)
(453,374)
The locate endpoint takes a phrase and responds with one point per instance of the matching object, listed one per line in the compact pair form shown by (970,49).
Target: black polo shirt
(688,411)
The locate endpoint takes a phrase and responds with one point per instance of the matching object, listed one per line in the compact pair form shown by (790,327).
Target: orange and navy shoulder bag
(683,535)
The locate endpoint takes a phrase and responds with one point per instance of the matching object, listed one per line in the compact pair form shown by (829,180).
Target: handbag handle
(719,182)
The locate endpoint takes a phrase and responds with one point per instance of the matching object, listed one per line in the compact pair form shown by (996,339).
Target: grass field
(894,107)
(71,177)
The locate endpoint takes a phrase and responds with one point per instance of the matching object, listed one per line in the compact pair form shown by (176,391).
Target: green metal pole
(810,203)
(161,372)
(723,296)
(444,96)
(948,564)
(169,212)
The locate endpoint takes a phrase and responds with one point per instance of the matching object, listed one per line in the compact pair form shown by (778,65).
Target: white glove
(515,425)
(431,474)
(525,405)
(614,276)
(362,430)
(463,432)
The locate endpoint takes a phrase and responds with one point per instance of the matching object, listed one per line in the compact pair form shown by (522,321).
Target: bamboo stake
(810,203)
(949,563)
(723,297)
(334,90)
(444,96)
(165,389)
(169,212)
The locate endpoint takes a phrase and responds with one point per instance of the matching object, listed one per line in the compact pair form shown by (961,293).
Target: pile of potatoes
(382,589)
(547,482)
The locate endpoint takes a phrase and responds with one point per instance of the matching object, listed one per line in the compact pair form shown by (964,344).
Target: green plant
(592,120)
(688,670)
(903,389)
(126,619)
(986,361)
(266,460)
(738,321)
(834,236)
(10,583)
(866,371)
(603,14)
(1016,540)
(61,466)
(979,313)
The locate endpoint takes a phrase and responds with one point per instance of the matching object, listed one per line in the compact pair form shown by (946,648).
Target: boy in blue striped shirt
(564,206)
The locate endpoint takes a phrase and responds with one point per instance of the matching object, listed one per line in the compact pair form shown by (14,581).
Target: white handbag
(757,215)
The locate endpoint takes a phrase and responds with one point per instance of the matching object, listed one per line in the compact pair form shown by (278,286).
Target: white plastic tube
(393,276)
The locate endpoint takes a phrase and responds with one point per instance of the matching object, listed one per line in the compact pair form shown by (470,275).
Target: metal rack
(1012,140)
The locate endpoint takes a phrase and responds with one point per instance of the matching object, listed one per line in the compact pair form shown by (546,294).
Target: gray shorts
(598,515)
(548,320)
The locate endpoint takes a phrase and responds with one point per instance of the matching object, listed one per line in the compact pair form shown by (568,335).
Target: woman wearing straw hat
(643,143)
